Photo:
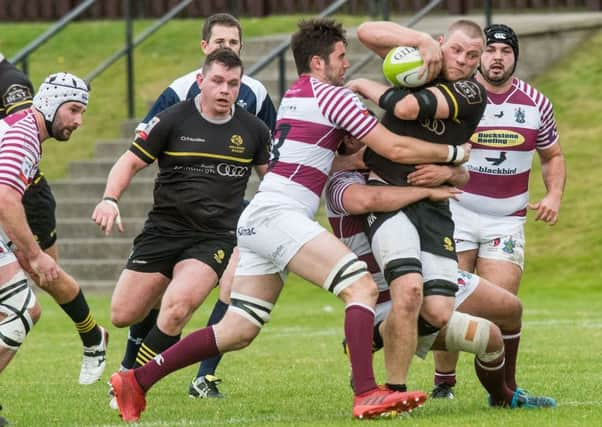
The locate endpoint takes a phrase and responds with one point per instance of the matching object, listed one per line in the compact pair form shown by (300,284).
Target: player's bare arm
(553,170)
(106,213)
(382,36)
(361,199)
(261,170)
(408,150)
(431,175)
(14,223)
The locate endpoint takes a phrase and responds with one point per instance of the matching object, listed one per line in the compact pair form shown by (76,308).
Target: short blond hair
(468,27)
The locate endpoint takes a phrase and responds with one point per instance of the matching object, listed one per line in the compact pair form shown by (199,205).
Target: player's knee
(121,316)
(436,315)
(406,296)
(474,335)
(496,340)
(515,313)
(20,311)
(254,310)
(233,334)
(178,314)
(344,274)
(363,290)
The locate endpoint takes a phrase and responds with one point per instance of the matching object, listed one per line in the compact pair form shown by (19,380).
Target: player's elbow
(362,205)
(364,32)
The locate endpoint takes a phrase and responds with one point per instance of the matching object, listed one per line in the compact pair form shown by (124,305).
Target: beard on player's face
(497,75)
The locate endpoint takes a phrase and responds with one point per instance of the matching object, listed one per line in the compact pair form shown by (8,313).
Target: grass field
(295,374)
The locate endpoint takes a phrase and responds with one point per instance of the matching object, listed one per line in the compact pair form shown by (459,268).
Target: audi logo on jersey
(233,171)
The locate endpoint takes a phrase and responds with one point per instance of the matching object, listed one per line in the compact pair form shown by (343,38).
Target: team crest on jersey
(470,91)
(236,144)
(242,103)
(519,115)
(448,244)
(497,138)
(149,127)
(16,93)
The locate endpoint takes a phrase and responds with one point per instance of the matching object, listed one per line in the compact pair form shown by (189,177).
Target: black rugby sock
(154,343)
(78,310)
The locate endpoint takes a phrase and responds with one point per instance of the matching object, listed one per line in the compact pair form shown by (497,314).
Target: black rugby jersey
(203,166)
(466,99)
(16,91)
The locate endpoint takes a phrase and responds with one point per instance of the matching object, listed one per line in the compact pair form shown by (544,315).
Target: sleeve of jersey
(336,186)
(344,109)
(263,153)
(18,95)
(267,113)
(15,165)
(168,98)
(548,131)
(150,142)
(465,98)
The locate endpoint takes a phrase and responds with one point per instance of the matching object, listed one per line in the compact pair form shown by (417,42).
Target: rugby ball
(402,66)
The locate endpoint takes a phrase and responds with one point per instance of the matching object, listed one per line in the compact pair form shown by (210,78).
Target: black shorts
(40,207)
(157,252)
(433,222)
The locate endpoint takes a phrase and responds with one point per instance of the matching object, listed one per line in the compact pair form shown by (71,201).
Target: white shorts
(397,238)
(467,283)
(499,238)
(270,231)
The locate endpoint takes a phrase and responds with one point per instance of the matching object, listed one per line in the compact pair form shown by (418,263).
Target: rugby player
(219,30)
(16,94)
(57,112)
(421,269)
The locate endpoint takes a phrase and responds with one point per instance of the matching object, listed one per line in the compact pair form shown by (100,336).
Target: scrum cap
(500,33)
(56,90)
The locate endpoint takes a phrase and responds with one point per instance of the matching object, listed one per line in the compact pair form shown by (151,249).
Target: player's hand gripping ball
(402,67)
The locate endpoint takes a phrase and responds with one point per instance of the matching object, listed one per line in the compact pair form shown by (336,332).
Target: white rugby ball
(402,67)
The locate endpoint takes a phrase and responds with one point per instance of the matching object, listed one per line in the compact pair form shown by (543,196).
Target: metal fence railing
(51,10)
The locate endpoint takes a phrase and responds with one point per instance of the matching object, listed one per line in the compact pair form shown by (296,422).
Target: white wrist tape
(459,155)
(116,207)
(455,154)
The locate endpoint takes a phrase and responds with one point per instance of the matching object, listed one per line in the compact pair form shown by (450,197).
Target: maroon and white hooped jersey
(347,227)
(20,150)
(513,126)
(312,119)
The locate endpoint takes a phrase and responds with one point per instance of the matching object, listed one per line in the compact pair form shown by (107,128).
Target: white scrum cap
(56,90)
